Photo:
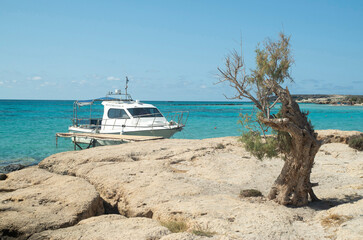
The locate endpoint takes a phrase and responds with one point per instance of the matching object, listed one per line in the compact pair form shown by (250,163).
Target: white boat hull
(165,133)
(98,142)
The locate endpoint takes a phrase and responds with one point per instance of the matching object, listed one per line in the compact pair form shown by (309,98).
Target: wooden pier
(110,137)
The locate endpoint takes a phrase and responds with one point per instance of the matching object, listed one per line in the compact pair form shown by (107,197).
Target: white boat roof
(127,104)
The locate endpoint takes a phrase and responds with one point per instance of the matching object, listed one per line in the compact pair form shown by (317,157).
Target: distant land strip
(328,99)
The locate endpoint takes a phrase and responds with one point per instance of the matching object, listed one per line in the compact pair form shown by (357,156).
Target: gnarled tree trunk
(293,184)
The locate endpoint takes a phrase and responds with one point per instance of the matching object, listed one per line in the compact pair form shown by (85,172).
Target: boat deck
(113,137)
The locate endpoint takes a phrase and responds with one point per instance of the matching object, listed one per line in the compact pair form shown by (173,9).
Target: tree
(263,87)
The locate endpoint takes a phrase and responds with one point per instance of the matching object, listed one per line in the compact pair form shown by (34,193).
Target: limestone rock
(174,149)
(108,227)
(32,200)
(344,221)
(188,236)
(199,181)
(336,136)
(164,171)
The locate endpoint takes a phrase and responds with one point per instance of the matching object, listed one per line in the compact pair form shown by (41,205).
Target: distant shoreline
(333,99)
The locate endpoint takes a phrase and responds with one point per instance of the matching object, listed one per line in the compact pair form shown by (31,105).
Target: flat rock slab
(199,181)
(33,200)
(134,178)
(108,227)
(343,222)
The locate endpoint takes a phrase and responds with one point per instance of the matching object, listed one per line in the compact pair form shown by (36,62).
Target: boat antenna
(127,82)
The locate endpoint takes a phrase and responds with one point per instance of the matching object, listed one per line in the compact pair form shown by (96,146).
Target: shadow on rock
(327,203)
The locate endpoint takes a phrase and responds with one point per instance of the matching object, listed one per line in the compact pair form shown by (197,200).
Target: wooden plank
(108,136)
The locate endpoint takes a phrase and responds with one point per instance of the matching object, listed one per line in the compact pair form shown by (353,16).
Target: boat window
(144,112)
(117,113)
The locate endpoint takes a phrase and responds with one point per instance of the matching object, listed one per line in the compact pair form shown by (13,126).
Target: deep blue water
(28,127)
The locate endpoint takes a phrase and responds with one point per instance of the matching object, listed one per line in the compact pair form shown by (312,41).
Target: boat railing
(87,122)
(139,118)
(178,118)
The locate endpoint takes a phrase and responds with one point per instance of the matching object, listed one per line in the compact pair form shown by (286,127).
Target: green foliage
(250,193)
(283,142)
(245,120)
(252,123)
(273,62)
(202,232)
(271,146)
(175,226)
(258,147)
(354,99)
(356,142)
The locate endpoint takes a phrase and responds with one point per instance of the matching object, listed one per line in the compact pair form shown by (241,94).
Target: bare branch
(277,99)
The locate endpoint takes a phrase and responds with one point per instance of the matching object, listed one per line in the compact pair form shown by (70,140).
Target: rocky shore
(147,190)
(330,99)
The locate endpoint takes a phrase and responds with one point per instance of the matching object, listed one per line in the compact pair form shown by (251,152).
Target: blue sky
(170,50)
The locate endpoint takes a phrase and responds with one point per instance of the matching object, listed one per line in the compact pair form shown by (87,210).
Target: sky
(170,50)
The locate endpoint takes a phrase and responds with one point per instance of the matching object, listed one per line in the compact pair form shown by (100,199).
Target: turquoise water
(28,127)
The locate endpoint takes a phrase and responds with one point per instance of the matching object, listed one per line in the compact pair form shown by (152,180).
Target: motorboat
(118,113)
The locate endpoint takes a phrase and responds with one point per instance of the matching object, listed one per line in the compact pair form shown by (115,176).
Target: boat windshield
(144,112)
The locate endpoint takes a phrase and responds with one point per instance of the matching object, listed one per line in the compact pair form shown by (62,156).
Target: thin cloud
(81,82)
(182,77)
(94,77)
(112,78)
(8,83)
(45,84)
(35,78)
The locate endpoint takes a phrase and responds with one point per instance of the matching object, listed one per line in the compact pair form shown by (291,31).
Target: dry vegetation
(334,220)
(182,226)
(356,142)
(175,226)
(250,193)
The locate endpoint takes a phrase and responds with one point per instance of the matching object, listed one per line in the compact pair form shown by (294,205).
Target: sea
(28,127)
